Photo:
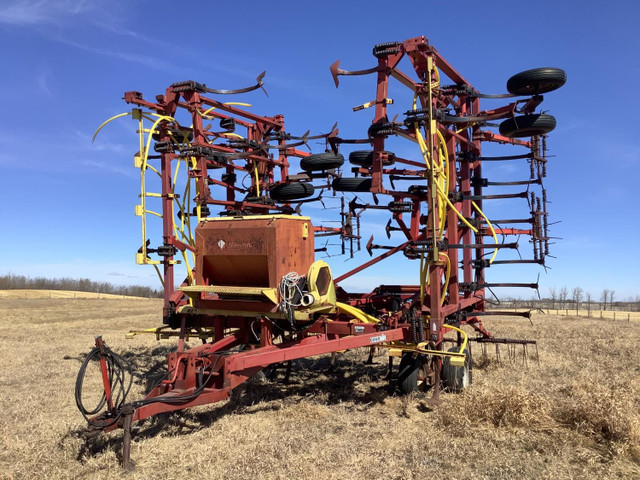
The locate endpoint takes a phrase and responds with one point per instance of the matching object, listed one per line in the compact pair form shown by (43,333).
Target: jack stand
(389,374)
(128,465)
(372,352)
(435,399)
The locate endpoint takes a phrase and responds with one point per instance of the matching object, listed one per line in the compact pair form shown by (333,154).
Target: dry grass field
(577,415)
(32,294)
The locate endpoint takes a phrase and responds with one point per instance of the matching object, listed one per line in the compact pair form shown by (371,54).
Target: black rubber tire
(536,81)
(456,379)
(357,184)
(321,161)
(364,158)
(291,191)
(527,125)
(408,373)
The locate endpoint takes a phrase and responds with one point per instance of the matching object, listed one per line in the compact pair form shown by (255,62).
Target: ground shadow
(347,380)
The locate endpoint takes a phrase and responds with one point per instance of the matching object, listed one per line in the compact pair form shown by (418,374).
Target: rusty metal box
(253,251)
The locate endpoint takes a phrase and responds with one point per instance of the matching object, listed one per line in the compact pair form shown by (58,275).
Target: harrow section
(229,187)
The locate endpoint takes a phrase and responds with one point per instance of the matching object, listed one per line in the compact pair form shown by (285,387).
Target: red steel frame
(209,373)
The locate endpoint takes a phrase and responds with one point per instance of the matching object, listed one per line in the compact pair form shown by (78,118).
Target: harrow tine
(337,71)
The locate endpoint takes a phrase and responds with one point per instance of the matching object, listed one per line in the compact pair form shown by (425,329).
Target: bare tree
(612,294)
(564,293)
(604,297)
(554,297)
(577,297)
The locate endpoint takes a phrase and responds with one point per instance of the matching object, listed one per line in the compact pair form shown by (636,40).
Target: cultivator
(229,186)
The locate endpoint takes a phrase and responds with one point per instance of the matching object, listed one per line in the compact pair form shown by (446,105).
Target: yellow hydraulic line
(462,332)
(426,280)
(464,128)
(255,171)
(140,134)
(460,216)
(444,186)
(159,274)
(443,294)
(187,208)
(356,312)
(493,232)
(153,169)
(175,177)
(232,134)
(203,114)
(107,121)
(153,213)
(421,347)
(442,193)
(143,200)
(155,124)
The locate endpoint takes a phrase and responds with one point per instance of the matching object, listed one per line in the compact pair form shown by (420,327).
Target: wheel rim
(465,377)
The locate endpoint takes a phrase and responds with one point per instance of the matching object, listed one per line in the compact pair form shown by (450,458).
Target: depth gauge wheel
(291,191)
(411,374)
(356,184)
(527,125)
(364,158)
(536,81)
(321,161)
(456,379)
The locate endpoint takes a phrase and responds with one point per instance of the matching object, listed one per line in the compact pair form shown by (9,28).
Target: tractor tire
(321,161)
(364,158)
(356,184)
(536,81)
(408,373)
(527,125)
(291,191)
(456,379)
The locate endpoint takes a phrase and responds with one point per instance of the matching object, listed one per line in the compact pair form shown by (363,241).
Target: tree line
(576,299)
(11,281)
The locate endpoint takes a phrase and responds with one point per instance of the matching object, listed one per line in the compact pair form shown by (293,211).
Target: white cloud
(35,12)
(146,60)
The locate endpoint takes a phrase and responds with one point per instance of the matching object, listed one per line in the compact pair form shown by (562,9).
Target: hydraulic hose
(117,369)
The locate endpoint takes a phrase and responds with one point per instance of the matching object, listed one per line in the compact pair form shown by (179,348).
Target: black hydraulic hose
(117,370)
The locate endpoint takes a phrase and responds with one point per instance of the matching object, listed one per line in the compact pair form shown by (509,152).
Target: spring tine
(337,71)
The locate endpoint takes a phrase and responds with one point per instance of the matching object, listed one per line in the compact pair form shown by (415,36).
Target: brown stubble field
(577,415)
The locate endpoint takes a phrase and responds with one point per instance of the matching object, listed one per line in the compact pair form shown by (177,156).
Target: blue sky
(68,203)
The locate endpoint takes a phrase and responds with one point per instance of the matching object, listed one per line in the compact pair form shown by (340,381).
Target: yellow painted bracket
(457,359)
(194,291)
